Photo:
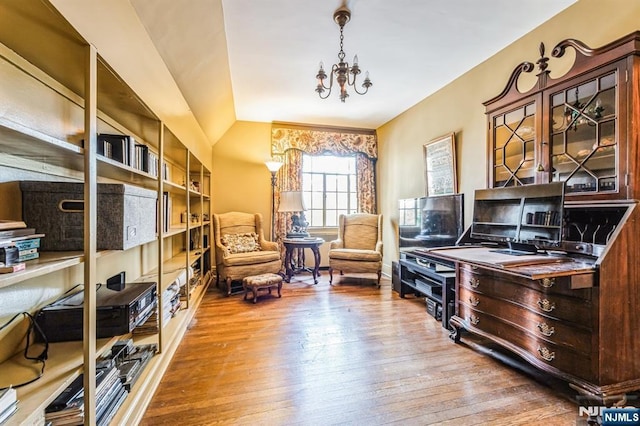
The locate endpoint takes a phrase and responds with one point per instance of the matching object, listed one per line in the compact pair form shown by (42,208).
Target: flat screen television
(522,218)
(434,221)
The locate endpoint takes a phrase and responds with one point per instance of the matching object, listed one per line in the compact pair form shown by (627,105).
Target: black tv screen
(435,221)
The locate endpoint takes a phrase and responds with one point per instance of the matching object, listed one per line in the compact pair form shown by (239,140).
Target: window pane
(317,182)
(314,217)
(342,200)
(332,218)
(331,181)
(317,200)
(353,202)
(306,182)
(331,199)
(342,183)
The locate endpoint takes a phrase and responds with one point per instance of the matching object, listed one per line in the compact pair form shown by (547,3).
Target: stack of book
(18,244)
(68,407)
(8,403)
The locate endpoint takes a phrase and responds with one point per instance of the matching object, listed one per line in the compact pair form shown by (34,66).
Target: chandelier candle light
(345,75)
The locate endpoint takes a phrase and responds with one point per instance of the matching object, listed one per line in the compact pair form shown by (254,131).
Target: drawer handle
(546,306)
(547,282)
(545,329)
(474,301)
(546,354)
(474,319)
(474,282)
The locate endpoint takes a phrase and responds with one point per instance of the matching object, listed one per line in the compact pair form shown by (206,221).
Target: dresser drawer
(536,325)
(544,352)
(556,285)
(551,305)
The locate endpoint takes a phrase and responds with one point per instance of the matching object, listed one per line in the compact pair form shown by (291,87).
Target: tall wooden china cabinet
(576,318)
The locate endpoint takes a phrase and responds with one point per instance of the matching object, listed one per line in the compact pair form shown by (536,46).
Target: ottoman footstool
(261,282)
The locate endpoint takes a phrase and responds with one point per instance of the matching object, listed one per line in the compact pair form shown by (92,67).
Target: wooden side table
(299,244)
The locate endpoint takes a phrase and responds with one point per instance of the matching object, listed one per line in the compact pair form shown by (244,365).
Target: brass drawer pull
(474,301)
(545,329)
(546,354)
(474,282)
(546,306)
(547,282)
(474,319)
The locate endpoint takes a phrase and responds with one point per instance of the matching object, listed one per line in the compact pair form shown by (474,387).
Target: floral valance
(323,141)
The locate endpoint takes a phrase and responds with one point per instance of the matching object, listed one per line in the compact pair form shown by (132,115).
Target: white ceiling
(256,60)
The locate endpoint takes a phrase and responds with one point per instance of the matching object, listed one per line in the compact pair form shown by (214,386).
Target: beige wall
(241,181)
(458,108)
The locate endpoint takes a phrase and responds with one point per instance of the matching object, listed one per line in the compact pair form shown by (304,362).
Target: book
(16,267)
(11,224)
(8,397)
(13,233)
(8,412)
(28,243)
(23,252)
(28,256)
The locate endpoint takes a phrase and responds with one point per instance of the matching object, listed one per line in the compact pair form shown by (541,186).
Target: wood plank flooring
(347,354)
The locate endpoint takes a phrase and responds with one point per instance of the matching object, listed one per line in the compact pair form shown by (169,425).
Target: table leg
(316,269)
(287,264)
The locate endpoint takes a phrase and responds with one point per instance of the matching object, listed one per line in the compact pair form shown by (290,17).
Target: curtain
(289,143)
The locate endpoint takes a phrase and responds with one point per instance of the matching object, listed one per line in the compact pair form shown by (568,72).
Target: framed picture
(440,166)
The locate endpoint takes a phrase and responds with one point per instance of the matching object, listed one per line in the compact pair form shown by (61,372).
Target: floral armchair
(359,245)
(241,249)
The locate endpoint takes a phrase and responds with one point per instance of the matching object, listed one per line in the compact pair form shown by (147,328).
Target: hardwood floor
(347,354)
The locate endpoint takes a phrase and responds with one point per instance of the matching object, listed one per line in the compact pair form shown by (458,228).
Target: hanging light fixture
(344,74)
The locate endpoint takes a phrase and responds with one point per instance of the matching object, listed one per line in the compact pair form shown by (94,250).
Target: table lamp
(291,201)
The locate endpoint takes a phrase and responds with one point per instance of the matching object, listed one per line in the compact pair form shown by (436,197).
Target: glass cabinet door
(583,136)
(514,136)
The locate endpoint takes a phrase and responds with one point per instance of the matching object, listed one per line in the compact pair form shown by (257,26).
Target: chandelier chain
(341,53)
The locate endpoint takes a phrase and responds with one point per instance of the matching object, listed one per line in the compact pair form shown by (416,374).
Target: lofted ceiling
(256,60)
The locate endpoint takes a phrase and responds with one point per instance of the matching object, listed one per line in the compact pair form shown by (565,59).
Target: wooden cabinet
(58,95)
(580,129)
(577,128)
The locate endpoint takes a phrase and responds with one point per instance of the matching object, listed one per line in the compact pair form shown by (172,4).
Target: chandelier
(344,74)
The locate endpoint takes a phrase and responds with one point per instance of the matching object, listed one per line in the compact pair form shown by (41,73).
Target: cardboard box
(126,214)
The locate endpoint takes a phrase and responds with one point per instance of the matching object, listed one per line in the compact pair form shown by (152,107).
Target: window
(329,188)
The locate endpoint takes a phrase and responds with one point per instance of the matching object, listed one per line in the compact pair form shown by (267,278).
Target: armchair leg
(379,276)
(330,275)
(228,286)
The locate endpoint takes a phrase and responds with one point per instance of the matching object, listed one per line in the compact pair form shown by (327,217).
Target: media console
(432,278)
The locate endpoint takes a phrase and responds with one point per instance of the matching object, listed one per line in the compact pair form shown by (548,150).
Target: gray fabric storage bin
(126,214)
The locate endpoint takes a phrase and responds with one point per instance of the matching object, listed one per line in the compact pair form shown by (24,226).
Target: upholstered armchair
(359,245)
(241,249)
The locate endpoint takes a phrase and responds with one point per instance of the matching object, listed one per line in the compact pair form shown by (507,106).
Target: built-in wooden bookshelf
(58,95)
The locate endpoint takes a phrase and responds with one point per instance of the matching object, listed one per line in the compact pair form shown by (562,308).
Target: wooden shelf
(49,261)
(174,231)
(173,188)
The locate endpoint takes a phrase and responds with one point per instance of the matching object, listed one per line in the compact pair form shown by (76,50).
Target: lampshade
(273,166)
(291,201)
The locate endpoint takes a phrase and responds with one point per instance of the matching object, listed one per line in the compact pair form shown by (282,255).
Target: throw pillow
(241,243)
